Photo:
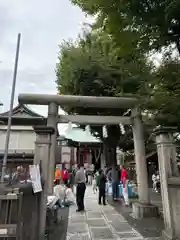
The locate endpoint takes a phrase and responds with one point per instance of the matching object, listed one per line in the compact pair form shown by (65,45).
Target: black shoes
(103,203)
(79,210)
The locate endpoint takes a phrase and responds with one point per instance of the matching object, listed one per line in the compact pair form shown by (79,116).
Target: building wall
(21,139)
(68,155)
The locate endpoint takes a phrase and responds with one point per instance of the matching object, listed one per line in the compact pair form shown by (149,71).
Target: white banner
(35,176)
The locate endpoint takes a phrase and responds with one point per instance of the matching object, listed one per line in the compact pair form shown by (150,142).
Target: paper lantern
(69,126)
(88,129)
(122,128)
(105,133)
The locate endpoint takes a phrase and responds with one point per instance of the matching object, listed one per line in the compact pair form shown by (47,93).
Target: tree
(165,100)
(147,24)
(92,66)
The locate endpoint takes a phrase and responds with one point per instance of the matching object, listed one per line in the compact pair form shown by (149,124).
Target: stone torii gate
(141,209)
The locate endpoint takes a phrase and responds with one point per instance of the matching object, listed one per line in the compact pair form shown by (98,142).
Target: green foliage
(95,61)
(165,102)
(93,67)
(110,60)
(145,25)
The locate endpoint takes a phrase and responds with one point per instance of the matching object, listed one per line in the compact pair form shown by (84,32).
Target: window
(64,143)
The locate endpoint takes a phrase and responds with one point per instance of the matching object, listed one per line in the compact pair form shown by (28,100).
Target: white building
(22,139)
(22,136)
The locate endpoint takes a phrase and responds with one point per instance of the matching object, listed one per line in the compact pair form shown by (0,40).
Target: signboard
(35,177)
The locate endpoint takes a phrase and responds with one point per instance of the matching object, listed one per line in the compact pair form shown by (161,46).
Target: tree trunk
(110,155)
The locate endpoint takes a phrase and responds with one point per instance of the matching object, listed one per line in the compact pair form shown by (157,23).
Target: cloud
(43,25)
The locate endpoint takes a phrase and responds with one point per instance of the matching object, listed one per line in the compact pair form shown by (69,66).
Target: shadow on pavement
(59,230)
(148,228)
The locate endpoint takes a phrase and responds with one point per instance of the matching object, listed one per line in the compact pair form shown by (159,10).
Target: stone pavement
(98,222)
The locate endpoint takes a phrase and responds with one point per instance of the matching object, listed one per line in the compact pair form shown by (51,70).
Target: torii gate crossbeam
(95,120)
(78,101)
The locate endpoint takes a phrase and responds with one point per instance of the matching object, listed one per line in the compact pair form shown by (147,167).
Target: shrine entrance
(141,208)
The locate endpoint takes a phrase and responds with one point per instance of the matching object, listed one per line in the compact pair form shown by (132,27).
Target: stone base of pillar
(167,234)
(141,210)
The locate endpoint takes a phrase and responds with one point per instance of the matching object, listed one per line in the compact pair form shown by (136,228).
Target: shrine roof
(22,111)
(77,134)
(22,114)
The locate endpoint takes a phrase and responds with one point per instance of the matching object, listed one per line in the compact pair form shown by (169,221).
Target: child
(94,185)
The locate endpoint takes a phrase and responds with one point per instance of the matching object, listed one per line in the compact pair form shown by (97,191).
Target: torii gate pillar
(170,181)
(142,208)
(52,122)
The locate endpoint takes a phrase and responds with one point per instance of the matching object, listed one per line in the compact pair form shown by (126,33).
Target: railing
(19,212)
(10,217)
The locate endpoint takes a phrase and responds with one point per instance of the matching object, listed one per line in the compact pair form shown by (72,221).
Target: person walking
(154,180)
(57,175)
(70,179)
(115,183)
(90,176)
(94,185)
(102,187)
(80,180)
(65,176)
(125,180)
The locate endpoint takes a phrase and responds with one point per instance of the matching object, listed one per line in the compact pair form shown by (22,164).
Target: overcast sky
(43,25)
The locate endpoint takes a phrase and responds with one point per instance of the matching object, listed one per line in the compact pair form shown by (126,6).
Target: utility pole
(10,109)
(1,105)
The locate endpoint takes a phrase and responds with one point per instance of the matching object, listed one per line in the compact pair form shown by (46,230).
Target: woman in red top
(124,175)
(65,176)
(125,180)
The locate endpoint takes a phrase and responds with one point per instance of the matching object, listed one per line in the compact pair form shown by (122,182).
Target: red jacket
(65,174)
(124,175)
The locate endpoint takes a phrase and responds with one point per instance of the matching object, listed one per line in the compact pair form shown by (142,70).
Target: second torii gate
(141,209)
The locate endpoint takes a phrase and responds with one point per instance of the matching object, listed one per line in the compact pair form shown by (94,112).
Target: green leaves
(93,66)
(166,93)
(142,25)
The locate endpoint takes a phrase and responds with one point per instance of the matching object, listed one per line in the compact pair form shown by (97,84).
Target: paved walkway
(98,222)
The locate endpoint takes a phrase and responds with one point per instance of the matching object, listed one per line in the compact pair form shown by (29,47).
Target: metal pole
(10,110)
(1,105)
